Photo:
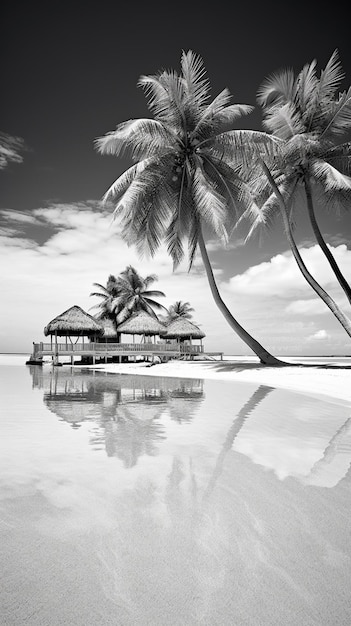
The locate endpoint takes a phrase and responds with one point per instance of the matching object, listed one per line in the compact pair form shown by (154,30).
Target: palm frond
(340,157)
(159,101)
(154,303)
(330,78)
(284,122)
(151,278)
(174,240)
(143,189)
(208,203)
(142,138)
(306,84)
(121,184)
(277,89)
(153,293)
(242,148)
(217,114)
(331,178)
(148,221)
(174,86)
(337,116)
(193,237)
(102,287)
(230,185)
(197,86)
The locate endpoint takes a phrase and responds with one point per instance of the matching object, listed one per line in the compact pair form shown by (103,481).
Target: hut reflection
(125,411)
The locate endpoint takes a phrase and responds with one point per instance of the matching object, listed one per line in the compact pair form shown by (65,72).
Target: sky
(70,75)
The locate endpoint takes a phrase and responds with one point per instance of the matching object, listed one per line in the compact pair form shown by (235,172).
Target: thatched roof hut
(74,323)
(182,328)
(141,323)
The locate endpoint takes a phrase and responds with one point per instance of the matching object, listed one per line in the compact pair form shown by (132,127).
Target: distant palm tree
(181,181)
(107,306)
(306,113)
(180,309)
(133,294)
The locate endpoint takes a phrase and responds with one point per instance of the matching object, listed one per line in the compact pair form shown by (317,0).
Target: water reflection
(214,513)
(125,410)
(258,396)
(304,438)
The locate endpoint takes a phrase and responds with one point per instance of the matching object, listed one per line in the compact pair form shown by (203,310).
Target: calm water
(148,501)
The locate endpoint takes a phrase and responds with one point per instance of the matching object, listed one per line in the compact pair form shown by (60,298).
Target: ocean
(141,500)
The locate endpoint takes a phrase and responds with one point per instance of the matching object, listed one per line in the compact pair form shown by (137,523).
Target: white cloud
(318,336)
(281,277)
(18,216)
(315,306)
(10,149)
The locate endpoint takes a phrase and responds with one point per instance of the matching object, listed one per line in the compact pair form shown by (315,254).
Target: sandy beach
(324,381)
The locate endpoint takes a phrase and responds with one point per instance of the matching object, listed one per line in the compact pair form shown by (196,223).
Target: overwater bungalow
(144,325)
(184,333)
(96,340)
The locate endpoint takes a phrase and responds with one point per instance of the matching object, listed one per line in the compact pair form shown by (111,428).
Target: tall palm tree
(180,181)
(311,119)
(318,289)
(134,294)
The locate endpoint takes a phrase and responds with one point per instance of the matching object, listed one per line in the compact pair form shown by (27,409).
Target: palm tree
(180,309)
(310,118)
(107,306)
(134,294)
(330,303)
(180,181)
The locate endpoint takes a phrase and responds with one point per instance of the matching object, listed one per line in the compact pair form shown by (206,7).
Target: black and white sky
(69,74)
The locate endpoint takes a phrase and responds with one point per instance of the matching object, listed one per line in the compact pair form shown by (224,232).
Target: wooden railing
(102,348)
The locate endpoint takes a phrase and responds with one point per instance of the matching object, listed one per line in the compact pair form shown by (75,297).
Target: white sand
(333,382)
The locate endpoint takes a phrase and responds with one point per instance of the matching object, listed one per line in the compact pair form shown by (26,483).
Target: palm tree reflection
(258,396)
(125,411)
(128,416)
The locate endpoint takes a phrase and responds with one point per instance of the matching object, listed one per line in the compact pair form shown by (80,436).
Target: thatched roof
(141,323)
(74,322)
(184,329)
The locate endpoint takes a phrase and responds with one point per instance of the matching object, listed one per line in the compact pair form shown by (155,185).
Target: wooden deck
(98,351)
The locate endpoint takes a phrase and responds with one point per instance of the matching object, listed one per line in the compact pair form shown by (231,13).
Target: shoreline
(325,381)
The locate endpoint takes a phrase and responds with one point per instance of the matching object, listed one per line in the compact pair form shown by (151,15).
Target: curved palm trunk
(333,264)
(340,316)
(265,357)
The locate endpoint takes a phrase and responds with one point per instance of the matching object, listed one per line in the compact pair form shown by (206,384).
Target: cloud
(18,216)
(10,149)
(315,306)
(82,246)
(318,336)
(281,277)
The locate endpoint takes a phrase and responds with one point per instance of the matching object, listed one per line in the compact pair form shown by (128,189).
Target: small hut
(73,323)
(183,331)
(141,323)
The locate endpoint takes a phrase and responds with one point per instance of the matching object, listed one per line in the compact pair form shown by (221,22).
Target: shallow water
(147,501)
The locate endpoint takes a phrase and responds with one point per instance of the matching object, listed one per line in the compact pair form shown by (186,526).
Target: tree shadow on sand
(228,366)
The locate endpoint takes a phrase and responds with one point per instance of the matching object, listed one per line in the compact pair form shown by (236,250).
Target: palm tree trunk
(340,316)
(333,264)
(265,357)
